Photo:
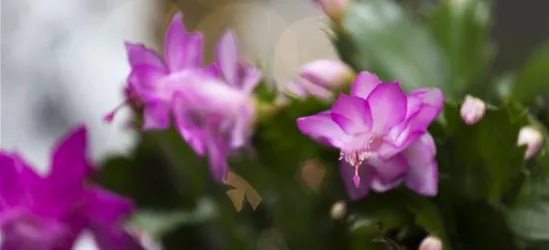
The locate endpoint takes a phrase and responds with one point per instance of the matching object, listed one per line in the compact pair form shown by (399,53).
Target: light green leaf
(461,29)
(157,223)
(380,36)
(534,77)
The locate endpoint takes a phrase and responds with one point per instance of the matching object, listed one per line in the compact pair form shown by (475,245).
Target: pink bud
(319,78)
(339,210)
(533,140)
(431,243)
(333,8)
(472,110)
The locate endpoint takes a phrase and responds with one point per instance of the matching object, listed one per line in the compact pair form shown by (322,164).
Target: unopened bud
(533,140)
(472,110)
(333,8)
(319,78)
(431,243)
(339,210)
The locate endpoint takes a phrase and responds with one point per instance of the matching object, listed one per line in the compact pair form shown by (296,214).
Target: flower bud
(319,78)
(333,8)
(533,140)
(431,243)
(339,210)
(472,110)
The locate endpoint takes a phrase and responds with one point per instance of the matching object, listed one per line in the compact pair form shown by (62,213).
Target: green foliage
(380,36)
(533,78)
(489,197)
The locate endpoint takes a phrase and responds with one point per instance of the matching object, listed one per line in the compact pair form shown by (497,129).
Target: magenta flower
(49,212)
(375,123)
(214,110)
(182,54)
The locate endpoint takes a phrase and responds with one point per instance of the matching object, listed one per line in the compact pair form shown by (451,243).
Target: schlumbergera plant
(410,141)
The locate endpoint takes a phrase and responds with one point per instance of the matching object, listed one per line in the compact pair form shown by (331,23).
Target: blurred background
(63,61)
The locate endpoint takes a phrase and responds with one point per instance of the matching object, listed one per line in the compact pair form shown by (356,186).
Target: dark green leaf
(482,160)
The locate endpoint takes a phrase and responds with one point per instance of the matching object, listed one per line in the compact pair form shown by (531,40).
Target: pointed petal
(423,107)
(422,176)
(182,50)
(388,106)
(217,156)
(322,128)
(188,127)
(17,180)
(156,116)
(364,84)
(347,173)
(227,57)
(105,208)
(115,238)
(356,110)
(70,165)
(139,54)
(250,78)
(241,131)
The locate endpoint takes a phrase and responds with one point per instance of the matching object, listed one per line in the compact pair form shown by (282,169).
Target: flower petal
(227,57)
(241,131)
(156,116)
(322,128)
(217,156)
(145,80)
(364,84)
(388,106)
(105,208)
(381,186)
(191,132)
(17,180)
(182,50)
(389,170)
(139,54)
(115,239)
(423,173)
(355,110)
(250,78)
(70,165)
(347,173)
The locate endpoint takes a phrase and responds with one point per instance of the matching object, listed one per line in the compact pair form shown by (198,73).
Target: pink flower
(376,124)
(49,213)
(182,54)
(214,113)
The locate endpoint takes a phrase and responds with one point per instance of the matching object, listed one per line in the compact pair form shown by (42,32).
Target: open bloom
(49,212)
(375,123)
(214,110)
(319,78)
(182,53)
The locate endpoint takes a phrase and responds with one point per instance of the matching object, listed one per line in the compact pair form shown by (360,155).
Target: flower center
(356,157)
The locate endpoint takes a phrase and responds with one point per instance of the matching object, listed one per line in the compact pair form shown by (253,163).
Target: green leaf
(461,29)
(380,36)
(534,77)
(482,160)
(158,223)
